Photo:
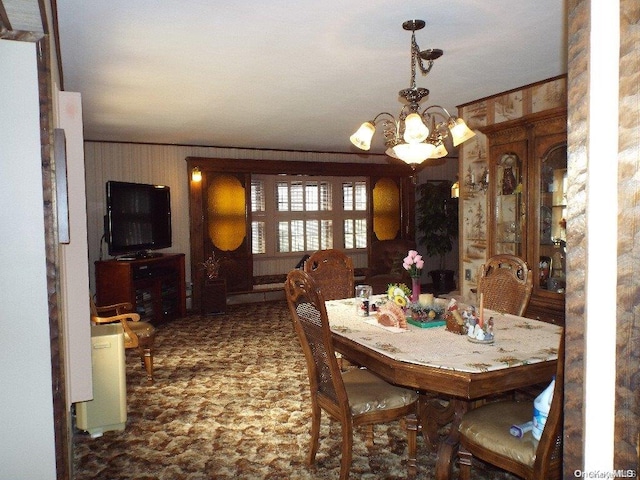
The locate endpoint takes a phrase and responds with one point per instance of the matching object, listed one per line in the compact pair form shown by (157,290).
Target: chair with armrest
(385,264)
(137,334)
(355,397)
(505,283)
(332,271)
(484,434)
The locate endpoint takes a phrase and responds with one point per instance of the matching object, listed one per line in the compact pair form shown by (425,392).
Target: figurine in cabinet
(509,182)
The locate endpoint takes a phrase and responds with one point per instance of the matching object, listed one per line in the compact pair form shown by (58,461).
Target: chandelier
(417,134)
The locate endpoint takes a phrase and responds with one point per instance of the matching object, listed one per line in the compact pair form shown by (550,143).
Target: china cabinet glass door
(507,227)
(552,239)
(509,224)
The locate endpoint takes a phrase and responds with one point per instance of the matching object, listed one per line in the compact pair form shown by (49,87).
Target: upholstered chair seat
(489,426)
(484,434)
(368,392)
(142,330)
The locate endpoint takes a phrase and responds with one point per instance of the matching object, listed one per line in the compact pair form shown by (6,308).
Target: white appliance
(108,409)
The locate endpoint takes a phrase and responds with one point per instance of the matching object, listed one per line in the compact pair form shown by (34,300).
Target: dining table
(451,371)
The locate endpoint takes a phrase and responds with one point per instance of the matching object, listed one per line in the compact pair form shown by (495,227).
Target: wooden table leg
(449,446)
(433,415)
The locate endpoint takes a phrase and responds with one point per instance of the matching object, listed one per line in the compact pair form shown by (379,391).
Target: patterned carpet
(231,400)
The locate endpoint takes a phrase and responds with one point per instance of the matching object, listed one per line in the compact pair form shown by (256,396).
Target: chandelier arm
(390,128)
(375,119)
(448,115)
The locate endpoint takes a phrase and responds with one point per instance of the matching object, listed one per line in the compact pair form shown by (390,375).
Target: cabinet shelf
(154,286)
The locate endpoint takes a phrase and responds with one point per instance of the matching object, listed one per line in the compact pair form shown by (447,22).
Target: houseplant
(437,226)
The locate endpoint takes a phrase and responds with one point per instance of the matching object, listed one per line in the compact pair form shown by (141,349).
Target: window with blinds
(303,214)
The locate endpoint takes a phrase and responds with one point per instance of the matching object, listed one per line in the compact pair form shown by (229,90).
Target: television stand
(154,286)
(146,254)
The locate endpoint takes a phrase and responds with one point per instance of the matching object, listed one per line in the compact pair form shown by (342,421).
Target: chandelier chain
(416,58)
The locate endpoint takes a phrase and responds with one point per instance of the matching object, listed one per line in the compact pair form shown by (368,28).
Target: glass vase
(415,289)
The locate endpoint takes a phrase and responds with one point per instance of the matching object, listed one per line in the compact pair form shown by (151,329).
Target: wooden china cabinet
(527,203)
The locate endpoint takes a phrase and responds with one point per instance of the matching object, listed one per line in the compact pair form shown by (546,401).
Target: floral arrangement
(399,293)
(413,263)
(212,267)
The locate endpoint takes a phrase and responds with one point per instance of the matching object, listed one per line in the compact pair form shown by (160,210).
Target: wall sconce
(196,174)
(474,184)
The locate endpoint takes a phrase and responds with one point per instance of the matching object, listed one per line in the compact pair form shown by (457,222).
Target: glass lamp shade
(440,151)
(362,137)
(459,131)
(415,131)
(413,152)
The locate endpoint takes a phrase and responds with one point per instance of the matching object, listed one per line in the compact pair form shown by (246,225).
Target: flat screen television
(138,218)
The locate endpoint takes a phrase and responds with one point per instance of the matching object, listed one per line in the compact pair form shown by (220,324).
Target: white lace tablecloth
(518,341)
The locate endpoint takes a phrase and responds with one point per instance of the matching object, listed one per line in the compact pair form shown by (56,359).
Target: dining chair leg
(347,450)
(412,446)
(464,462)
(146,357)
(315,433)
(368,436)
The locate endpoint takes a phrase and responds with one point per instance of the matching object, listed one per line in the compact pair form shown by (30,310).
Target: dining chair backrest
(311,323)
(332,271)
(505,284)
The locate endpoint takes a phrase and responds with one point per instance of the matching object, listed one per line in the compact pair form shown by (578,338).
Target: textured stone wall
(626,448)
(578,106)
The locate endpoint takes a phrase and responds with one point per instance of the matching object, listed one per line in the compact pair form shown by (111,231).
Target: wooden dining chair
(505,283)
(332,271)
(355,397)
(484,434)
(137,334)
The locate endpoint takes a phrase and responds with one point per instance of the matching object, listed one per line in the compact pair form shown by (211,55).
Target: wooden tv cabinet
(154,286)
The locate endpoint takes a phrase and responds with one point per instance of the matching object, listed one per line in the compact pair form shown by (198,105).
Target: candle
(481,319)
(426,298)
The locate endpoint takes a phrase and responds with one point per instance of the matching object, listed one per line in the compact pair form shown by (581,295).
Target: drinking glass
(363,295)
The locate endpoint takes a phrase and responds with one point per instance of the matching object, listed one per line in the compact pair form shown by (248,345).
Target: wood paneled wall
(165,164)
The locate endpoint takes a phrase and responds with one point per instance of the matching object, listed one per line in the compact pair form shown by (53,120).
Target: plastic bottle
(541,406)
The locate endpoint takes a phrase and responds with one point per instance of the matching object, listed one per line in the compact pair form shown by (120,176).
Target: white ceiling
(292,75)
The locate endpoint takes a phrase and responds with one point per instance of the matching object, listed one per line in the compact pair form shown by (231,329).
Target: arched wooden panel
(386,209)
(226,210)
